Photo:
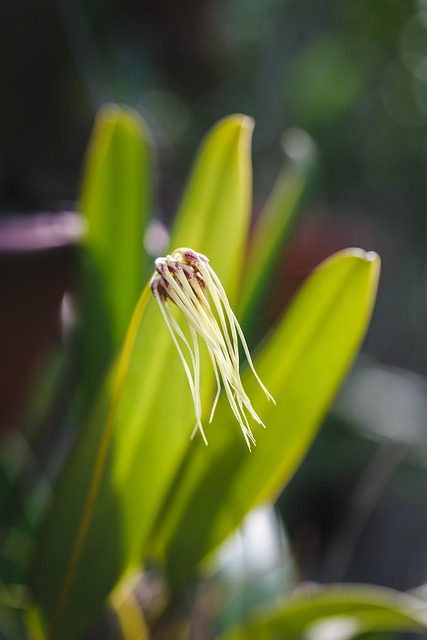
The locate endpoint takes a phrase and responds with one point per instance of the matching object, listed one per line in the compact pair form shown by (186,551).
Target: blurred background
(353,75)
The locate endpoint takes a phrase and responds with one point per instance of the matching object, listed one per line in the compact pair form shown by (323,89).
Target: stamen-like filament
(185,278)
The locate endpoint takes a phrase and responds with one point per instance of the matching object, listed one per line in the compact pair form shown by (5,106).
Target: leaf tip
(240,121)
(247,122)
(108,112)
(366,256)
(370,258)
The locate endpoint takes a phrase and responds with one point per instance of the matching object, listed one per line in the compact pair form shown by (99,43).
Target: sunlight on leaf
(302,364)
(116,201)
(110,493)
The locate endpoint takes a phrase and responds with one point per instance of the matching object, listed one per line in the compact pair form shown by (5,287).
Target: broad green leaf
(222,220)
(302,365)
(110,494)
(276,222)
(116,203)
(352,609)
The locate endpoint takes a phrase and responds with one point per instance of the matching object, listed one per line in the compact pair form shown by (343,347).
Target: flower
(187,279)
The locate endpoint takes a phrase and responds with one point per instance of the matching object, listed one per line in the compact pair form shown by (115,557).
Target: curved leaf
(276,222)
(114,485)
(302,365)
(116,201)
(353,609)
(214,214)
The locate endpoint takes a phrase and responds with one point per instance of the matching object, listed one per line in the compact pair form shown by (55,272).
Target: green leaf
(275,223)
(116,201)
(302,365)
(13,600)
(214,212)
(22,498)
(353,609)
(110,494)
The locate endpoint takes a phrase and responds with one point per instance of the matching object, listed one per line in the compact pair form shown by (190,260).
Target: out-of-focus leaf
(21,500)
(110,493)
(302,365)
(352,609)
(13,600)
(248,574)
(128,611)
(116,201)
(276,223)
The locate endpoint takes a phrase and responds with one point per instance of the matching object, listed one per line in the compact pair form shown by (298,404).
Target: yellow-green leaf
(275,223)
(109,496)
(302,365)
(352,610)
(214,214)
(116,201)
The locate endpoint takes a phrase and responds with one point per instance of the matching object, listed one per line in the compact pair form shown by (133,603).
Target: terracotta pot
(37,265)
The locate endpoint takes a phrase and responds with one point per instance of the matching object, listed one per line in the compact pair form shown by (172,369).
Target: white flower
(186,278)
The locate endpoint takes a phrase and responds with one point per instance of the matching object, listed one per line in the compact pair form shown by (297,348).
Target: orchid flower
(187,279)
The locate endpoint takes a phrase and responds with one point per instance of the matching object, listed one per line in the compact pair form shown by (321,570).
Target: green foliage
(302,364)
(214,215)
(136,487)
(116,201)
(347,610)
(275,223)
(145,439)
